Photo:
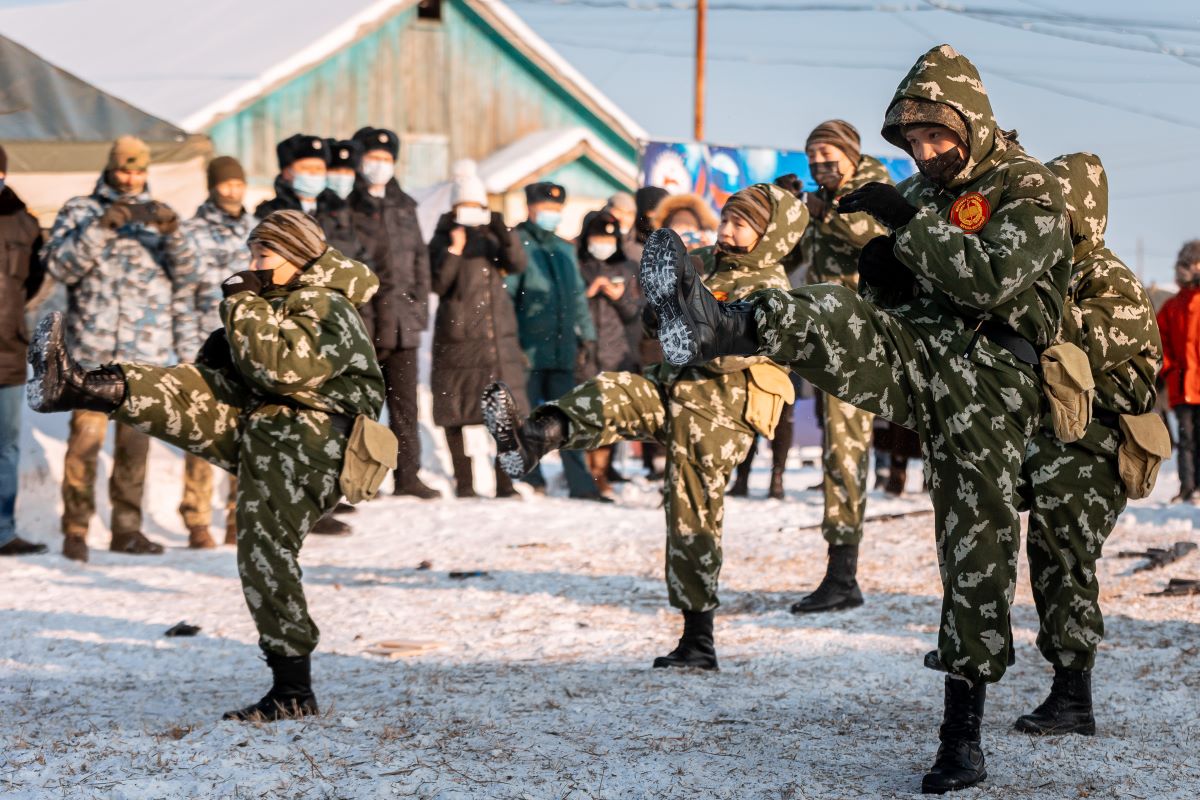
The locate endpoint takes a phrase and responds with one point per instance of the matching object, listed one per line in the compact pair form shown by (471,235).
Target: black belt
(1003,336)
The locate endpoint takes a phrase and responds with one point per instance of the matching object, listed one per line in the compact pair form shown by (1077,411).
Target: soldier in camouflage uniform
(974,280)
(273,400)
(218,238)
(1075,490)
(118,252)
(699,413)
(830,247)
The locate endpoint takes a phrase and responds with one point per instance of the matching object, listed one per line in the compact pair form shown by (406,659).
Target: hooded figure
(706,415)
(1075,491)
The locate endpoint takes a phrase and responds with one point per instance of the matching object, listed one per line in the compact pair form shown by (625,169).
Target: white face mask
(472,217)
(602,251)
(378,172)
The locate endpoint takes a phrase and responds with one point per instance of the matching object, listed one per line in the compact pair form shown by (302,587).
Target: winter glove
(878,266)
(882,201)
(215,352)
(166,220)
(116,215)
(791,183)
(252,280)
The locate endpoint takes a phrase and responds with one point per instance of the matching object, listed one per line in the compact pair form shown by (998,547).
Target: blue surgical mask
(378,172)
(548,220)
(307,185)
(692,239)
(341,184)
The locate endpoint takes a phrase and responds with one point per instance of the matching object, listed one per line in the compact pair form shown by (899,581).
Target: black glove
(498,228)
(791,183)
(215,352)
(166,220)
(882,201)
(879,267)
(252,280)
(116,215)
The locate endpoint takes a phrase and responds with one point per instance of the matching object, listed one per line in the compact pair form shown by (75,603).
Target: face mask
(471,217)
(602,251)
(733,249)
(307,185)
(341,185)
(826,173)
(378,172)
(548,220)
(692,239)
(942,168)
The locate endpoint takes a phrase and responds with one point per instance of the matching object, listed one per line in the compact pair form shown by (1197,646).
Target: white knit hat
(465,184)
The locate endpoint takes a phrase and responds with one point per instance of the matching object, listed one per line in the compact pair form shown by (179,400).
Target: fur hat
(545,192)
(912,111)
(378,139)
(298,146)
(694,204)
(346,154)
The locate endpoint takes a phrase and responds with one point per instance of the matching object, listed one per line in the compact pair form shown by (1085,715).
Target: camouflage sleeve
(1023,239)
(1112,316)
(188,260)
(855,229)
(76,243)
(294,348)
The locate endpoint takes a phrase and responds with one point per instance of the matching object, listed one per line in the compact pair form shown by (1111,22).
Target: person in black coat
(475,332)
(385,226)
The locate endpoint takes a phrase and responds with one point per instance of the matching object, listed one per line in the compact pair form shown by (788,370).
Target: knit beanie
(292,234)
(754,205)
(912,111)
(224,168)
(129,152)
(465,184)
(840,134)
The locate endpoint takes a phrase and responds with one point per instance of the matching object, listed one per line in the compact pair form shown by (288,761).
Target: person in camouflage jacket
(272,399)
(958,304)
(1074,491)
(119,254)
(699,413)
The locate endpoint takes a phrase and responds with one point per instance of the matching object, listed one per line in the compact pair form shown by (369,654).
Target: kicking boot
(344,508)
(20,547)
(776,490)
(75,548)
(959,762)
(414,487)
(1068,708)
(695,649)
(329,525)
(520,444)
(693,326)
(135,544)
(59,384)
(291,695)
(199,538)
(741,480)
(839,588)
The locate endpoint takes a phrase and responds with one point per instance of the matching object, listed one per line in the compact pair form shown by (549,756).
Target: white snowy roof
(193,61)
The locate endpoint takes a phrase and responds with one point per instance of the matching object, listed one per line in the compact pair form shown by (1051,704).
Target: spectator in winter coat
(217,235)
(623,208)
(690,217)
(475,333)
(614,302)
(345,157)
(1179,324)
(385,224)
(552,318)
(118,253)
(20,241)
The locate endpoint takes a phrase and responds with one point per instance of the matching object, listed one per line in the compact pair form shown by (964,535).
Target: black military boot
(291,693)
(693,326)
(839,588)
(695,649)
(330,525)
(59,384)
(959,762)
(1068,708)
(741,479)
(775,492)
(520,444)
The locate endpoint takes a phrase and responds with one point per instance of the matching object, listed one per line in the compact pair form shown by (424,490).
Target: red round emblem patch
(970,212)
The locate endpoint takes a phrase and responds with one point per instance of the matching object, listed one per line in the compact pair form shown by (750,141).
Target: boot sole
(944,790)
(1037,729)
(49,334)
(500,417)
(660,282)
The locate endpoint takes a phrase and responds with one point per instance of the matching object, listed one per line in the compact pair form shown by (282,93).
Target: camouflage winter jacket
(1107,313)
(994,243)
(119,283)
(218,241)
(832,242)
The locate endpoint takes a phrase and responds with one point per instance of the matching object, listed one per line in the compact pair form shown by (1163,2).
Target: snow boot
(504,485)
(775,492)
(959,762)
(291,695)
(60,384)
(20,547)
(199,538)
(75,548)
(741,480)
(413,486)
(330,525)
(693,326)
(695,649)
(1068,708)
(838,590)
(344,508)
(520,445)
(135,544)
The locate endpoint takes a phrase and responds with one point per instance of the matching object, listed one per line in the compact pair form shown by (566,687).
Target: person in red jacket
(1179,323)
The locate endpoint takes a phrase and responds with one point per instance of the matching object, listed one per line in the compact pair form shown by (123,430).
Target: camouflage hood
(789,218)
(1085,187)
(944,77)
(332,270)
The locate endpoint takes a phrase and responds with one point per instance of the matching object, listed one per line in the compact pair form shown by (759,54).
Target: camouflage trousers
(287,464)
(975,409)
(705,441)
(1074,494)
(125,486)
(196,505)
(846,460)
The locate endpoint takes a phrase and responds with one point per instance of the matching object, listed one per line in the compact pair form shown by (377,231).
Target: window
(430,9)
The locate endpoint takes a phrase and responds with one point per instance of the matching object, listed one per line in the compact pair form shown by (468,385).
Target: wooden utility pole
(701,24)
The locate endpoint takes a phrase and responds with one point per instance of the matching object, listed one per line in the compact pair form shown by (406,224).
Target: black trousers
(1188,417)
(400,378)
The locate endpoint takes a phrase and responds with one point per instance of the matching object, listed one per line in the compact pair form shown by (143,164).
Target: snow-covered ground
(539,686)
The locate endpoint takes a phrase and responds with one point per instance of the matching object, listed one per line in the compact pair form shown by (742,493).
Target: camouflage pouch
(370,453)
(1145,444)
(768,390)
(1069,386)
